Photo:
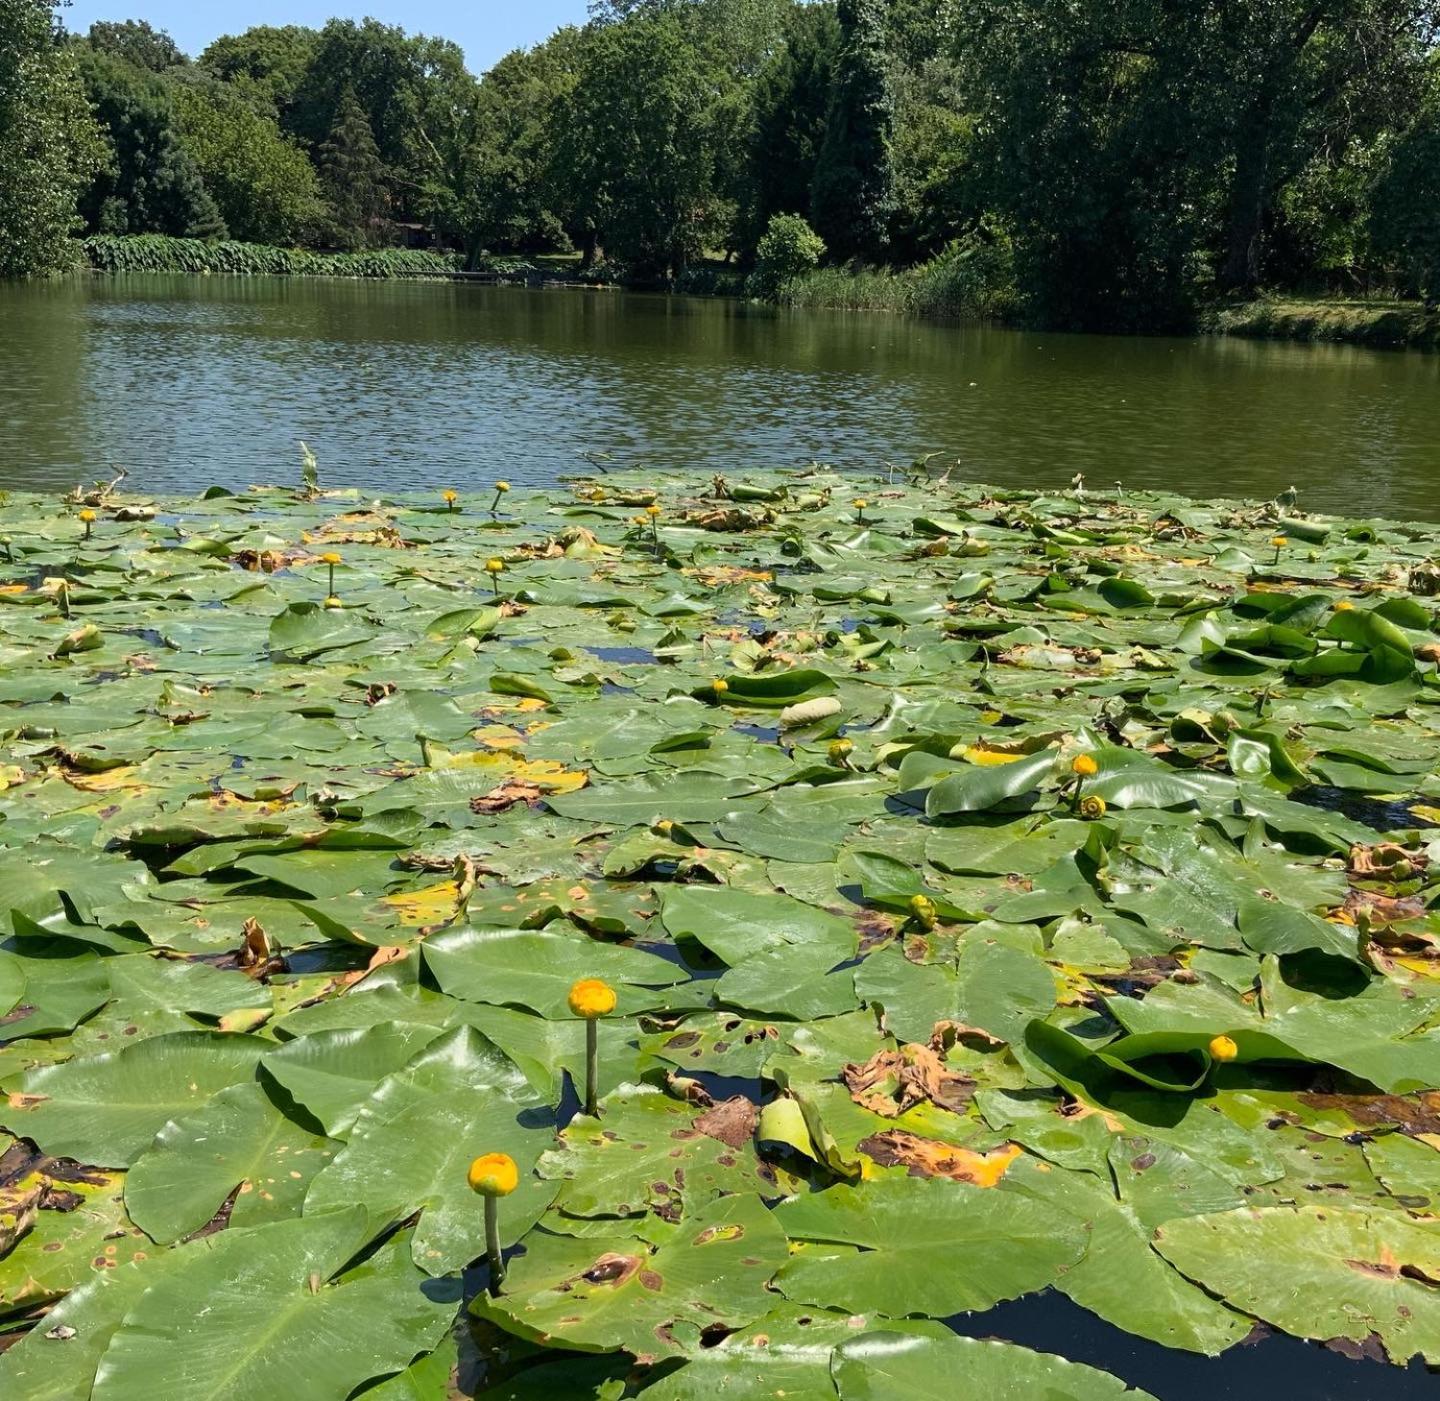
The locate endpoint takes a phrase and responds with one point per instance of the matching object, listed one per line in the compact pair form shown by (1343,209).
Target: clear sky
(485,29)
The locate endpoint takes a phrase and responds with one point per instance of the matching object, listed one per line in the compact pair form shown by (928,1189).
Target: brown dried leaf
(507,795)
(891,1082)
(732,1121)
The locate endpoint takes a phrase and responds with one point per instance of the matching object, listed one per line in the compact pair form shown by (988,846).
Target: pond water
(190,381)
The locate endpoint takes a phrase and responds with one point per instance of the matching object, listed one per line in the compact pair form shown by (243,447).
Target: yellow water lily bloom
(1223,1048)
(87,515)
(493,1175)
(1084,765)
(591,998)
(1092,807)
(494,566)
(502,487)
(332,559)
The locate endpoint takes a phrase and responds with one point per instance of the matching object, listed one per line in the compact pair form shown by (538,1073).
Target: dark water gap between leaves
(1381,814)
(1273,1366)
(624,656)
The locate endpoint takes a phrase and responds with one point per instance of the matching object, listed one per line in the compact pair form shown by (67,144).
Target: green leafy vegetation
(1091,166)
(157,253)
(951,894)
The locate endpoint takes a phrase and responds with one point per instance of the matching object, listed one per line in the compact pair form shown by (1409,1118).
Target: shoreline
(1377,325)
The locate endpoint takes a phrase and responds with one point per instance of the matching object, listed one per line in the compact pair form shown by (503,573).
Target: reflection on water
(189,381)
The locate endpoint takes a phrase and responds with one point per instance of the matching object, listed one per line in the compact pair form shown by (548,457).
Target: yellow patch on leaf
(120,780)
(928,1157)
(984,755)
(432,905)
(549,775)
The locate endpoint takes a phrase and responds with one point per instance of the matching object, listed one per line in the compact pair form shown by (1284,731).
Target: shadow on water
(1272,1367)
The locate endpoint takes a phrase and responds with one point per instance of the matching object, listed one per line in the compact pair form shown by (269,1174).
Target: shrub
(789,248)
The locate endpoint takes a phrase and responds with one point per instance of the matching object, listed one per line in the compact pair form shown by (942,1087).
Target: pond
(191,381)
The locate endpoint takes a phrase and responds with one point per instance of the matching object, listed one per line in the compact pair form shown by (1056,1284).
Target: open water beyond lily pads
(194,381)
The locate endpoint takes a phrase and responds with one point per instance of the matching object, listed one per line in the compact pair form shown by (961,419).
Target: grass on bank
(1382,323)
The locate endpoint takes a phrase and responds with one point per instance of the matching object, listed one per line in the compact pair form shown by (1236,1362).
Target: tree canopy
(1121,163)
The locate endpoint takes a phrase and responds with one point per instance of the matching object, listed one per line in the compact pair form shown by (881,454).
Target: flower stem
(592,1068)
(492,1244)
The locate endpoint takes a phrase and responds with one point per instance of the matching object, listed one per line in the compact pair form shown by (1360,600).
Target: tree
(1098,149)
(150,183)
(263,183)
(790,98)
(352,176)
(1293,78)
(851,196)
(136,42)
(266,65)
(632,154)
(49,147)
(500,197)
(393,77)
(931,154)
(1406,220)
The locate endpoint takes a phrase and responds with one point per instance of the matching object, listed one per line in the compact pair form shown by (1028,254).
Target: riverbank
(897,839)
(1381,325)
(968,284)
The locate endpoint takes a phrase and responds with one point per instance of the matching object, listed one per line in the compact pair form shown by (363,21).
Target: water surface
(188,381)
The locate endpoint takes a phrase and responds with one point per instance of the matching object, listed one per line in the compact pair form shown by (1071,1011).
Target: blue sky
(485,29)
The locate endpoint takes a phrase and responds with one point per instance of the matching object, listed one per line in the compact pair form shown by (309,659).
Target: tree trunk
(1249,202)
(589,249)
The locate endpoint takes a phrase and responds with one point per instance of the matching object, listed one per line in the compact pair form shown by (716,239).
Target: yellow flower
(923,909)
(87,516)
(719,685)
(839,752)
(1279,541)
(332,558)
(653,510)
(1344,606)
(1084,765)
(494,566)
(449,497)
(333,602)
(638,520)
(1092,806)
(590,998)
(502,486)
(493,1175)
(1223,1048)
(859,503)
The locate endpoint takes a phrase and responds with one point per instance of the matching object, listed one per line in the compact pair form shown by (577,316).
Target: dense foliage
(1123,164)
(993,892)
(48,144)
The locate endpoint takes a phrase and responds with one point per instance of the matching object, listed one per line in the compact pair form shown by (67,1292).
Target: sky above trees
(486,30)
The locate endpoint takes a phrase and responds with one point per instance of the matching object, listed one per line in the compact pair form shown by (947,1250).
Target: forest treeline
(1083,163)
